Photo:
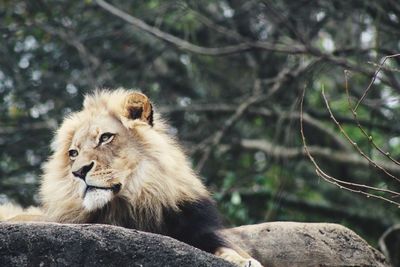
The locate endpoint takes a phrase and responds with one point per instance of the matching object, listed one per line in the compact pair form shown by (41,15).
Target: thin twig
(373,79)
(383,67)
(359,126)
(341,183)
(352,142)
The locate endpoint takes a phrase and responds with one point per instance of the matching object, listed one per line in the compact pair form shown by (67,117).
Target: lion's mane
(162,177)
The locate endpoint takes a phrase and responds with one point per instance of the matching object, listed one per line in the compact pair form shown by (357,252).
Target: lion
(114,162)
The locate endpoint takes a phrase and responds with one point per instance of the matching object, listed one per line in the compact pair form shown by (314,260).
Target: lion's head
(116,155)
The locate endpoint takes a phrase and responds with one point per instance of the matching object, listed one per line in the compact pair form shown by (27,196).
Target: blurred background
(228,76)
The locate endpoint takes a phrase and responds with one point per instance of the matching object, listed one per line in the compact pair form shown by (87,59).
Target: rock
(273,244)
(305,244)
(50,244)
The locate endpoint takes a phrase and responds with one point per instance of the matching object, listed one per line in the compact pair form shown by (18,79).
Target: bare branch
(338,182)
(185,45)
(282,152)
(353,143)
(229,108)
(355,116)
(373,79)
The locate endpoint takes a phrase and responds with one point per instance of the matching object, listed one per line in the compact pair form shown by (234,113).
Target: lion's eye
(105,137)
(73,153)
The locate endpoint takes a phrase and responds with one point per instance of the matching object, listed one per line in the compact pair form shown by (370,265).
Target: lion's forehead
(85,134)
(89,129)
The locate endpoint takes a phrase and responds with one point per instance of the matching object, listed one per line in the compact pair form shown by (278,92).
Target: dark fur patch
(195,224)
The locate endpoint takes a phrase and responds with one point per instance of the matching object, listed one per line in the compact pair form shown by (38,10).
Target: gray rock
(50,244)
(290,244)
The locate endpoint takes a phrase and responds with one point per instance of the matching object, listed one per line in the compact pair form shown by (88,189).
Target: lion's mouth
(115,188)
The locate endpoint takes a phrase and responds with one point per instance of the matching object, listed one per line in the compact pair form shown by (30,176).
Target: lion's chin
(97,198)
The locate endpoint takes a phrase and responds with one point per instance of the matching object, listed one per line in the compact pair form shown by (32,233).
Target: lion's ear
(138,106)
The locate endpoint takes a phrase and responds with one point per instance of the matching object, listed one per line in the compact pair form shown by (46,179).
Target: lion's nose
(81,173)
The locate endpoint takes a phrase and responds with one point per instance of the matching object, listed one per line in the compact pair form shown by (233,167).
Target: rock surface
(274,244)
(45,244)
(289,244)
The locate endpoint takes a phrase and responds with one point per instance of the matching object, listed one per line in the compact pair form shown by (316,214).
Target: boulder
(51,244)
(292,244)
(273,244)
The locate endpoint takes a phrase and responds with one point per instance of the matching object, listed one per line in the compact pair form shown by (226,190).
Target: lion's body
(9,210)
(138,177)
